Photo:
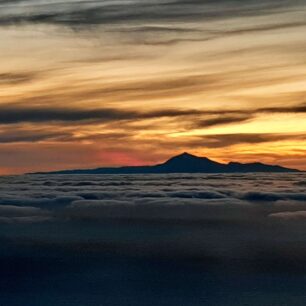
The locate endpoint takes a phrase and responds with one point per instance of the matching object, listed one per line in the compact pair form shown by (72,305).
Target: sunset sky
(86,83)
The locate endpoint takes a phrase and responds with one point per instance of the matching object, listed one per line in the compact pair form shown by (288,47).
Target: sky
(86,83)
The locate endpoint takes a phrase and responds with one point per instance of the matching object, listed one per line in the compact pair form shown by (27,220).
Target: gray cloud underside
(19,118)
(10,115)
(207,141)
(89,13)
(222,120)
(24,134)
(19,114)
(226,140)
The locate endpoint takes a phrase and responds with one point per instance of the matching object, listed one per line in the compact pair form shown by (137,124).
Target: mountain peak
(185,154)
(185,163)
(184,157)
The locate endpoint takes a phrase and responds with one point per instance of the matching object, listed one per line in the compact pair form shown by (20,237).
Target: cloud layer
(210,208)
(152,239)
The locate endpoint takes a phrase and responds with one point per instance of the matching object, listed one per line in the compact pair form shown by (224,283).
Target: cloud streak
(84,13)
(19,114)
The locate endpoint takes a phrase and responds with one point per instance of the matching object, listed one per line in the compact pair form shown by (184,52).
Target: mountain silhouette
(183,163)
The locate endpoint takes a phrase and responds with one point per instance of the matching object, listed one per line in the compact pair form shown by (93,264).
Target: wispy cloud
(129,76)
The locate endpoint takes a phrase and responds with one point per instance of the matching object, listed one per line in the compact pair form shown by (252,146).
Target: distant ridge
(183,163)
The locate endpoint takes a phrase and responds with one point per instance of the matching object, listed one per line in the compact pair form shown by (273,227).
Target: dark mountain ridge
(183,163)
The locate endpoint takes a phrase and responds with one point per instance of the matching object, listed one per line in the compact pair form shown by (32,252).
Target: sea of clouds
(179,239)
(242,217)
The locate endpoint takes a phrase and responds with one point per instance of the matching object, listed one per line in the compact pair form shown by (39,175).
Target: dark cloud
(225,140)
(16,114)
(224,120)
(26,135)
(17,78)
(291,109)
(215,141)
(11,115)
(84,13)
